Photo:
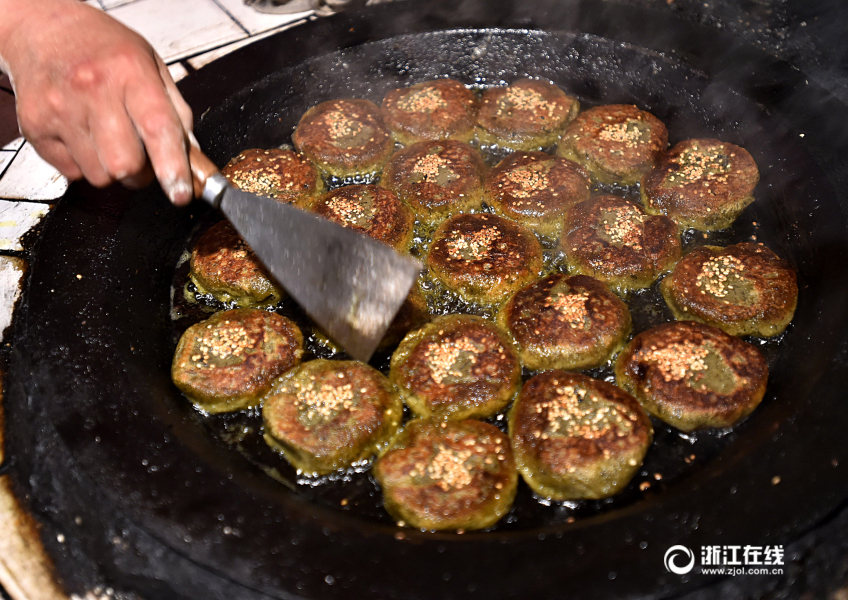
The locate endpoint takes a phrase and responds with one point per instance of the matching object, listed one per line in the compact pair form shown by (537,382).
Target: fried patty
(526,115)
(702,183)
(283,175)
(536,189)
(483,258)
(442,109)
(575,437)
(613,240)
(692,375)
(617,143)
(456,367)
(224,266)
(562,322)
(344,137)
(327,415)
(744,289)
(436,179)
(228,361)
(453,475)
(370,210)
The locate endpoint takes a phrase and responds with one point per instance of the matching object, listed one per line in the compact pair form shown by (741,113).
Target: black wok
(110,454)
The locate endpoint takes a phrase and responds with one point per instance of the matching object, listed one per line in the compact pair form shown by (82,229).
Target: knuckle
(86,76)
(123,166)
(157,124)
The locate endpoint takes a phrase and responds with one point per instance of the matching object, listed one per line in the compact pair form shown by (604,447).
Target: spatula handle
(208,182)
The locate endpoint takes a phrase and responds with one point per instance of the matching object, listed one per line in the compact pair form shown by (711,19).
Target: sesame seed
(677,360)
(717,273)
(432,168)
(571,308)
(472,246)
(442,357)
(340,125)
(627,133)
(624,226)
(325,401)
(576,412)
(697,164)
(449,470)
(427,100)
(526,181)
(221,343)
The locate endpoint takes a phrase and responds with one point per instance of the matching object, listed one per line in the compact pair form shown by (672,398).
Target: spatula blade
(351,285)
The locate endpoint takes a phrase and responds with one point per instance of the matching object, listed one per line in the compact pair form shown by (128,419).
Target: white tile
(16,218)
(107,4)
(207,57)
(178,29)
(178,71)
(257,22)
(29,177)
(14,144)
(6,157)
(11,272)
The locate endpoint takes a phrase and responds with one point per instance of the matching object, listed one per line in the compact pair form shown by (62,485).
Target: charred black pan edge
(96,431)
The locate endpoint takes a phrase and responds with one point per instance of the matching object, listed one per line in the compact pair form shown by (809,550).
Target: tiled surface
(256,22)
(207,57)
(179,29)
(6,157)
(16,218)
(11,272)
(14,145)
(29,177)
(178,71)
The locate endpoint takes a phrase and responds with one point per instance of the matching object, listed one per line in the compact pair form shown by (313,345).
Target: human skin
(94,98)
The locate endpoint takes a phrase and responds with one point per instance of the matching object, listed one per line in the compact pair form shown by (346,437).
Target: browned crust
(626,262)
(280,174)
(597,442)
(370,210)
(487,271)
(458,366)
(590,141)
(431,110)
(344,137)
(536,189)
(705,199)
(525,115)
(770,281)
(682,401)
(226,362)
(436,178)
(420,501)
(367,416)
(223,265)
(553,335)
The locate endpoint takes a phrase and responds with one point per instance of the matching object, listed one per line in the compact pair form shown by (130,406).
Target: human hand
(94,98)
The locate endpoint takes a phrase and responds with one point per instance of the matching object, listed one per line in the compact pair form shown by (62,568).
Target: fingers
(182,108)
(161,131)
(56,153)
(117,144)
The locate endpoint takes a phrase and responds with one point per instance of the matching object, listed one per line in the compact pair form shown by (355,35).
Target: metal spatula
(351,286)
